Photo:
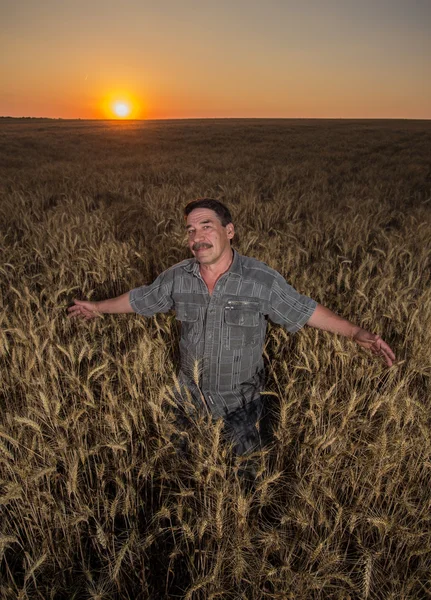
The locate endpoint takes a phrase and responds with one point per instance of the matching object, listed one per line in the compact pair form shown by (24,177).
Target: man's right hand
(84,310)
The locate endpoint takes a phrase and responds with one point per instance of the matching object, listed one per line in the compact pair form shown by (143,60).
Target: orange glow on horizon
(120,105)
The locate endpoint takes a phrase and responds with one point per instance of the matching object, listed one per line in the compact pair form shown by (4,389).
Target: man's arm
(146,300)
(89,310)
(325,319)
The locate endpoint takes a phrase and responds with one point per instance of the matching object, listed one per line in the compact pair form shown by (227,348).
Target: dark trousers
(248,427)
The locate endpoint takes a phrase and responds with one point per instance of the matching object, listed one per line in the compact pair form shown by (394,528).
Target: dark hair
(218,207)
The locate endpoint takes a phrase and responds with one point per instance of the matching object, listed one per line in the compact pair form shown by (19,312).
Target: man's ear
(230,229)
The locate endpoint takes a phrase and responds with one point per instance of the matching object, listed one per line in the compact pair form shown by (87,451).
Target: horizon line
(222,119)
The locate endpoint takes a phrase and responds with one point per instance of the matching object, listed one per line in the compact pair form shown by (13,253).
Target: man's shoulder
(256,269)
(185,265)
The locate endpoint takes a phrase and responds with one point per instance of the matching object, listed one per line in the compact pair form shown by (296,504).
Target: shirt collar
(236,266)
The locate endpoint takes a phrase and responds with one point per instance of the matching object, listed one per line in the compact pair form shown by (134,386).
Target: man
(223,301)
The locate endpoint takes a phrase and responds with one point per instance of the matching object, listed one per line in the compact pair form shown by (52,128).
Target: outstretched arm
(146,300)
(89,310)
(325,319)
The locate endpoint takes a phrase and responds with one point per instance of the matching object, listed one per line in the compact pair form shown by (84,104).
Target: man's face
(207,238)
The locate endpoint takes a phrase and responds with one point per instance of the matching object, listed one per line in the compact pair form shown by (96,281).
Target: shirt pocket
(191,321)
(241,324)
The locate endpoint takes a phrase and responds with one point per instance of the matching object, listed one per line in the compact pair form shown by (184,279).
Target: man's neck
(217,269)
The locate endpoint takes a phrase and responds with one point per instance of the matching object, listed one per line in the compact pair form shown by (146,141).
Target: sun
(122,109)
(121,105)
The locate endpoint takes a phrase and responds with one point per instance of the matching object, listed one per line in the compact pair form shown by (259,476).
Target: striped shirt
(222,334)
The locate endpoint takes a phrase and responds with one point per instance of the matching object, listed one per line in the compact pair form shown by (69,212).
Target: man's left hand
(374,342)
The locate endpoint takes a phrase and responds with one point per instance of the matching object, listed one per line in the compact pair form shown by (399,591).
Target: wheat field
(96,502)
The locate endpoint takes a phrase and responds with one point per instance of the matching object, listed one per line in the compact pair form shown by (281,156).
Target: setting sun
(122,109)
(121,104)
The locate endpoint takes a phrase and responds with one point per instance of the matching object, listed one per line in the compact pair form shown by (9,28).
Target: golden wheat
(96,498)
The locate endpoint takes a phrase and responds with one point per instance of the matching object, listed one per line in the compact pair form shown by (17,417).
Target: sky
(175,59)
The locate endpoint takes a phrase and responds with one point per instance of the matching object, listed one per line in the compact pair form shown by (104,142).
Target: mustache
(199,246)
